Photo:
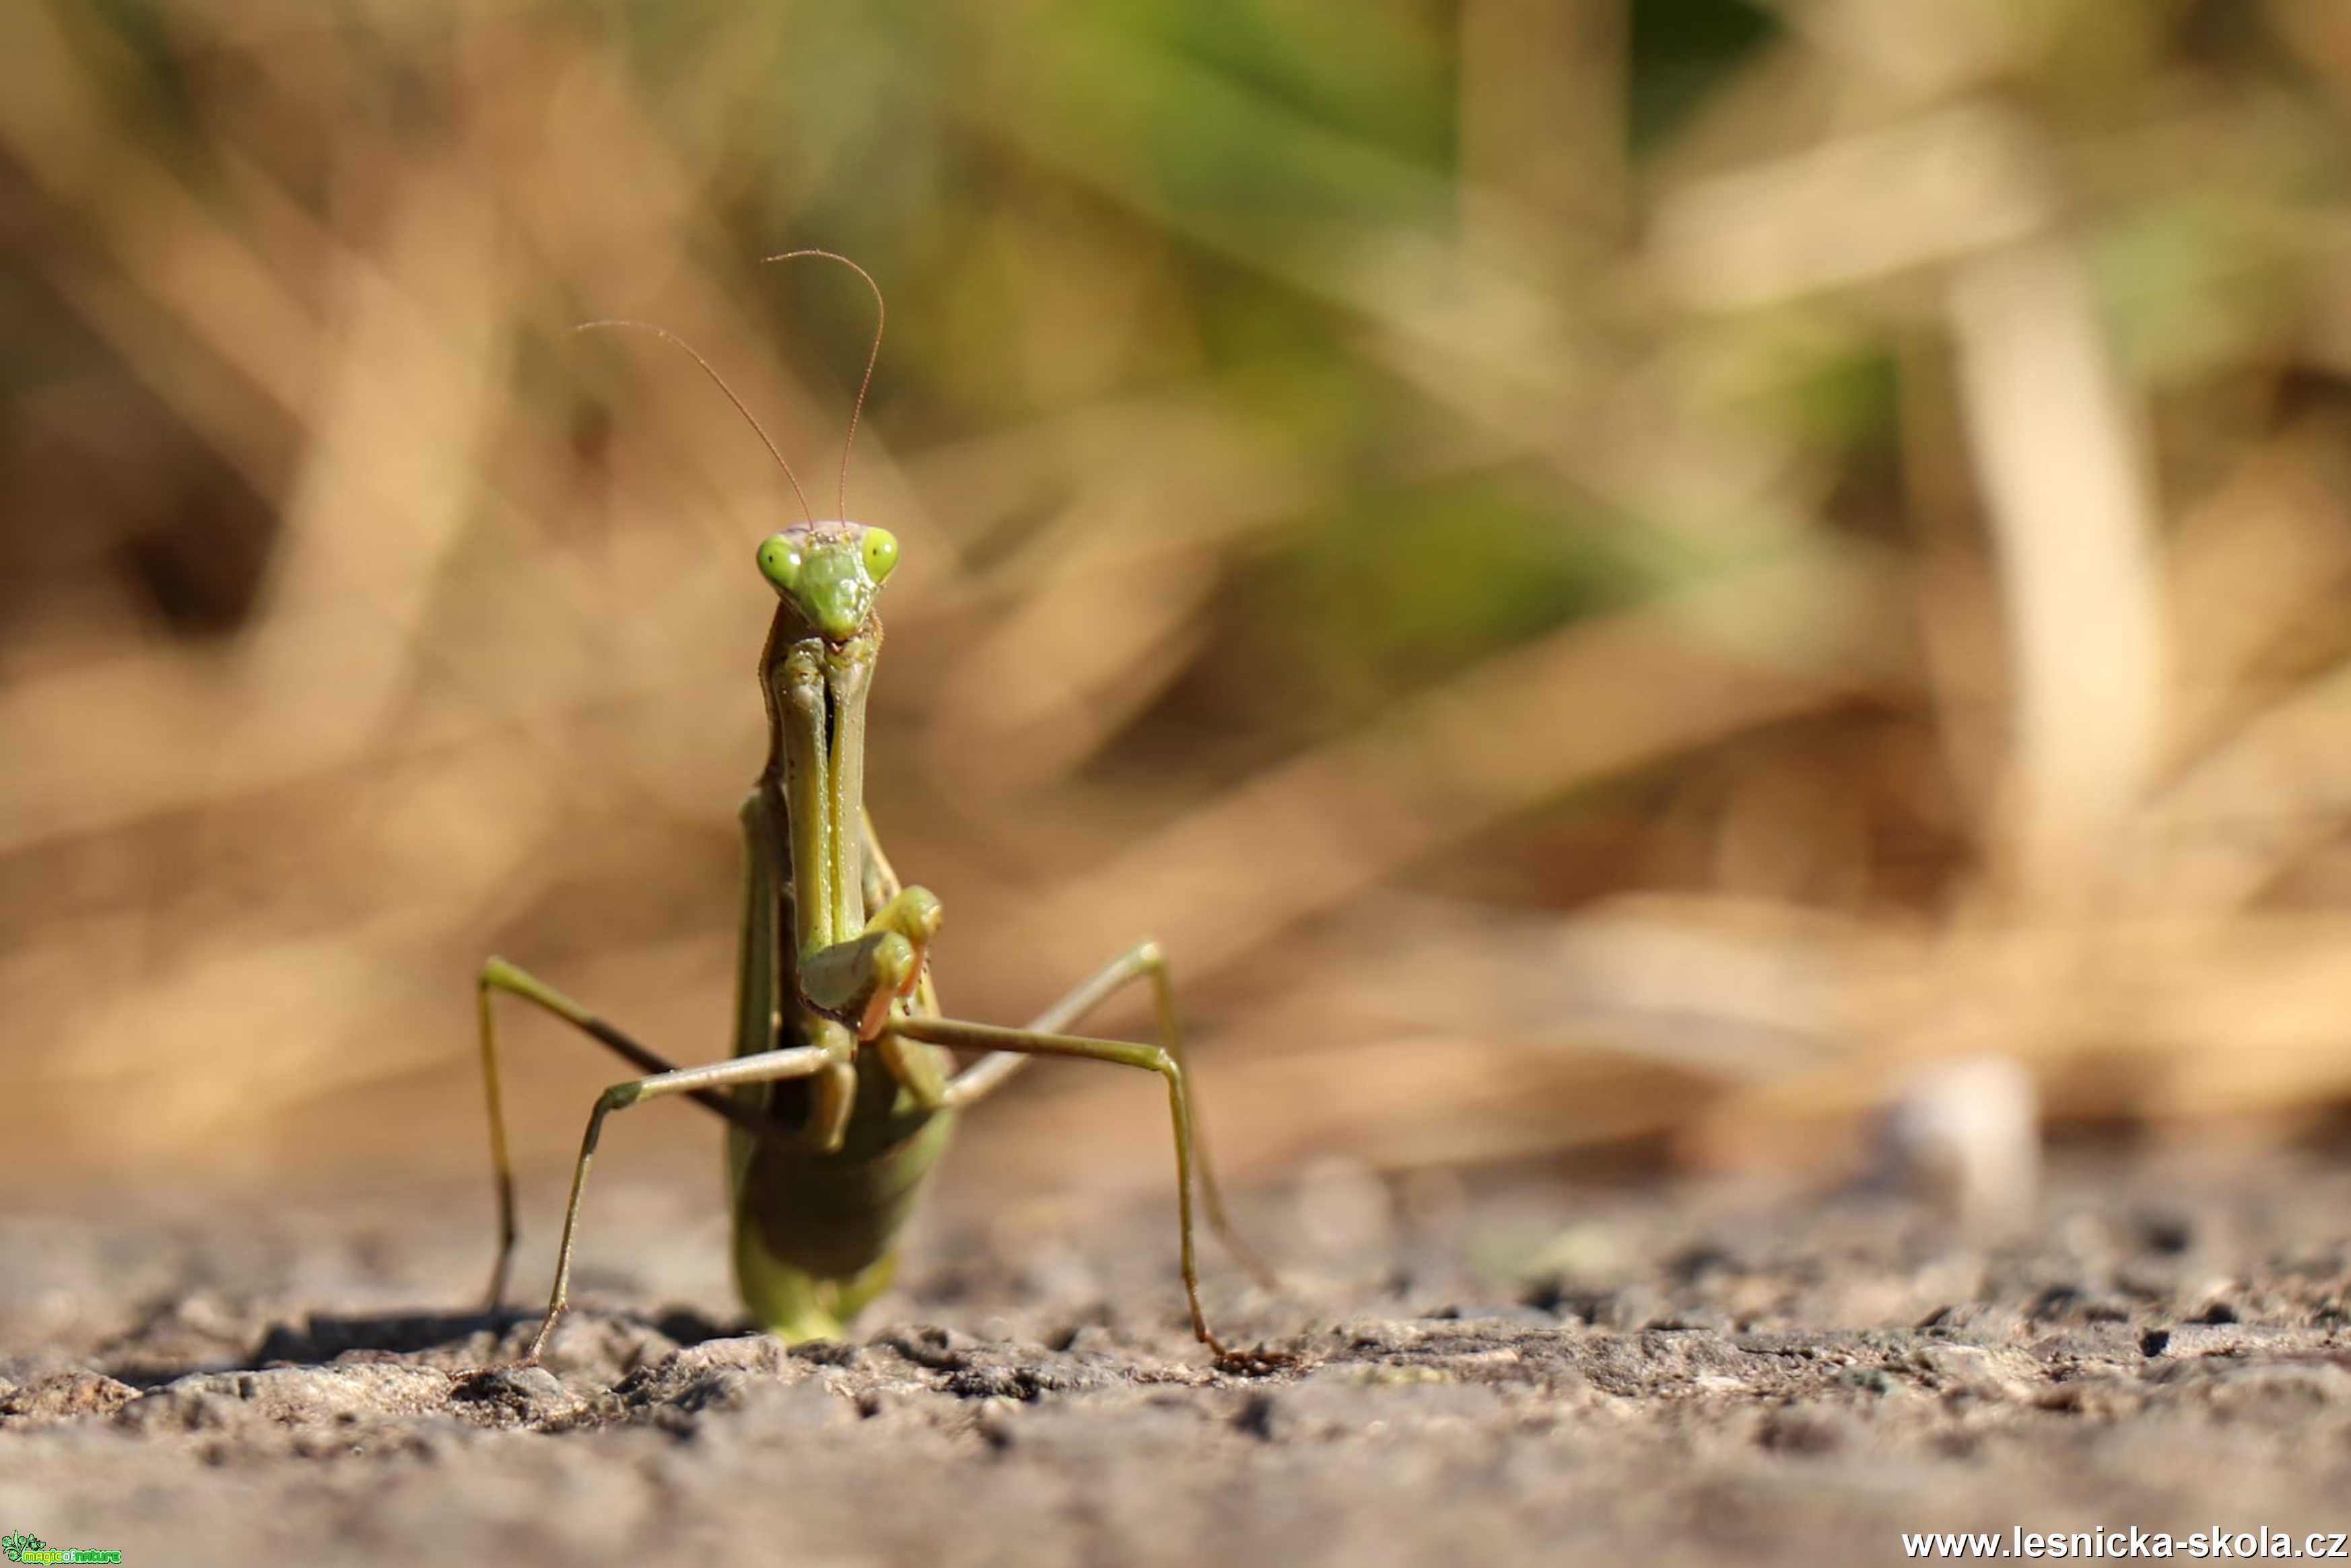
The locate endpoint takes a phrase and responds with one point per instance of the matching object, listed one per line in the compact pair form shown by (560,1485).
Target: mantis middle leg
(962,1035)
(497,974)
(767,1067)
(1145,960)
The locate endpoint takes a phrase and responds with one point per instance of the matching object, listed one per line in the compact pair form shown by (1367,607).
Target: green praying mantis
(843,1090)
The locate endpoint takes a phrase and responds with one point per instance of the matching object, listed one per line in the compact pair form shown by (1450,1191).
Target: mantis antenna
(881,314)
(666,335)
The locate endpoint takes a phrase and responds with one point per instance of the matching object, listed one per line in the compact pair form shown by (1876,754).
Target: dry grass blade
(2077,552)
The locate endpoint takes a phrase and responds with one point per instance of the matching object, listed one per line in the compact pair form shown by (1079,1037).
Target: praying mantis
(842,1092)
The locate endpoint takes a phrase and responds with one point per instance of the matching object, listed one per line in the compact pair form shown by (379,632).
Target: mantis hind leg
(1145,960)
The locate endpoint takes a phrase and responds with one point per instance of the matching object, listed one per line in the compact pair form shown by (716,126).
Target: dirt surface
(1518,1373)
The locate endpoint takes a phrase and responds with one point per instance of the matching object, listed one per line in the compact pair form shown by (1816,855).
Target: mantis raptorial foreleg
(497,974)
(767,1067)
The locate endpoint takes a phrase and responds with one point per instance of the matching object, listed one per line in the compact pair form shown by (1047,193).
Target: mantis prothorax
(842,1090)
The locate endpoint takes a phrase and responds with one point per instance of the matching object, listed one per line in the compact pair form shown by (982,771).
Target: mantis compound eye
(779,561)
(881,552)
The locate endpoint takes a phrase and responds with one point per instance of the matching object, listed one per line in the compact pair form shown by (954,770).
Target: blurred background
(1611,577)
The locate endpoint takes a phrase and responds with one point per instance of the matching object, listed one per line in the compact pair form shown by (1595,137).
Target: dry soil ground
(1522,1372)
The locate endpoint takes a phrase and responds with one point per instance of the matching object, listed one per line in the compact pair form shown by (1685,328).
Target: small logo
(33,1549)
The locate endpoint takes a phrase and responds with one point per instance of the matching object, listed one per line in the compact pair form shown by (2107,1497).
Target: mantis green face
(829,573)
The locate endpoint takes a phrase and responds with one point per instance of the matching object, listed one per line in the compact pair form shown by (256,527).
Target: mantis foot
(1257,1362)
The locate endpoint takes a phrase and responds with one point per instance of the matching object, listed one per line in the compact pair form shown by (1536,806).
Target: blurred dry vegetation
(1605,574)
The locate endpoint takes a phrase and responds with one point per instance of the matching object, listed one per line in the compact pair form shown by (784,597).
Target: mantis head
(829,573)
